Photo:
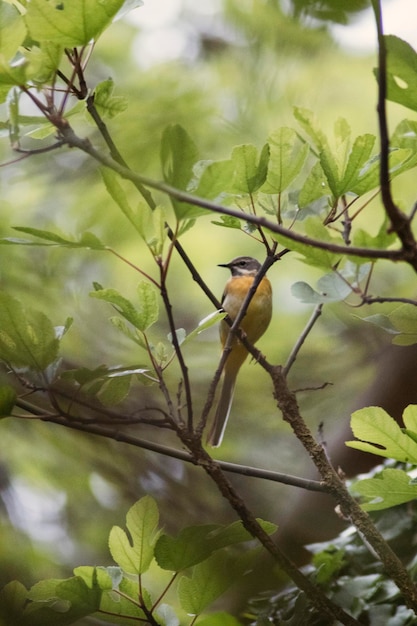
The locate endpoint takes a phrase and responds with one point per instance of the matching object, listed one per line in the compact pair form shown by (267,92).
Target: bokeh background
(229,71)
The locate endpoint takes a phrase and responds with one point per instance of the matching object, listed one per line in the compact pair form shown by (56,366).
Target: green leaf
(7,400)
(219,619)
(13,30)
(87,240)
(178,157)
(288,155)
(133,335)
(204,324)
(401,72)
(151,225)
(27,337)
(410,418)
(250,169)
(318,257)
(13,598)
(194,544)
(404,320)
(389,488)
(141,318)
(209,580)
(332,288)
(107,104)
(213,178)
(228,222)
(104,578)
(116,191)
(309,123)
(135,556)
(314,187)
(191,546)
(359,156)
(70,24)
(115,390)
(380,434)
(382,321)
(122,608)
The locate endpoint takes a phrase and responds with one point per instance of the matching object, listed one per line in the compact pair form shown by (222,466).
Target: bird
(254,324)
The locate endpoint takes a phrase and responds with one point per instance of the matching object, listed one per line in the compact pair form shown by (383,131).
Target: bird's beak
(223,265)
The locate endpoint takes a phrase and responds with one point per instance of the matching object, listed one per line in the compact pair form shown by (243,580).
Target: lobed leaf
(249,169)
(380,434)
(70,24)
(135,556)
(288,155)
(389,488)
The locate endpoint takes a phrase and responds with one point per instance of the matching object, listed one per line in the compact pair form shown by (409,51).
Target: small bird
(254,324)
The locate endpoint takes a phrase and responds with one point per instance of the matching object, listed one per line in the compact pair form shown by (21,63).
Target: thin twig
(297,347)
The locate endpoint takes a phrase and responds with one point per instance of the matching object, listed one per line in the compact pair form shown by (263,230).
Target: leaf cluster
(200,560)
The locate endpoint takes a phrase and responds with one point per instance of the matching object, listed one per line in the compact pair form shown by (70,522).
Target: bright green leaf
(178,157)
(404,320)
(389,488)
(250,169)
(213,178)
(12,32)
(107,104)
(116,191)
(142,317)
(288,155)
(135,556)
(380,434)
(410,417)
(88,240)
(228,221)
(314,187)
(70,24)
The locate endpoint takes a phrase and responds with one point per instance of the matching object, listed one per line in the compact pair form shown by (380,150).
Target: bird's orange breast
(259,312)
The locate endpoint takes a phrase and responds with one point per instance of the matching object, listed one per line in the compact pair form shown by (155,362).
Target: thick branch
(287,402)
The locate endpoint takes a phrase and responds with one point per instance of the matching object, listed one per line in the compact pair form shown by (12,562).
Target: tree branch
(110,433)
(400,222)
(73,141)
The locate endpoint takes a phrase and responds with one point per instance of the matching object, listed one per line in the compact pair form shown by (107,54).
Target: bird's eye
(242,263)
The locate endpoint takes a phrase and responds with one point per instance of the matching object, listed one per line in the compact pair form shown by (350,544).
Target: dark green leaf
(7,400)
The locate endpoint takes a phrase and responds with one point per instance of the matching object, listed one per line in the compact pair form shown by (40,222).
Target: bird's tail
(215,435)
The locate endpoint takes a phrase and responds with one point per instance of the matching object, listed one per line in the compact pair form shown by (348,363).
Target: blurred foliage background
(235,71)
